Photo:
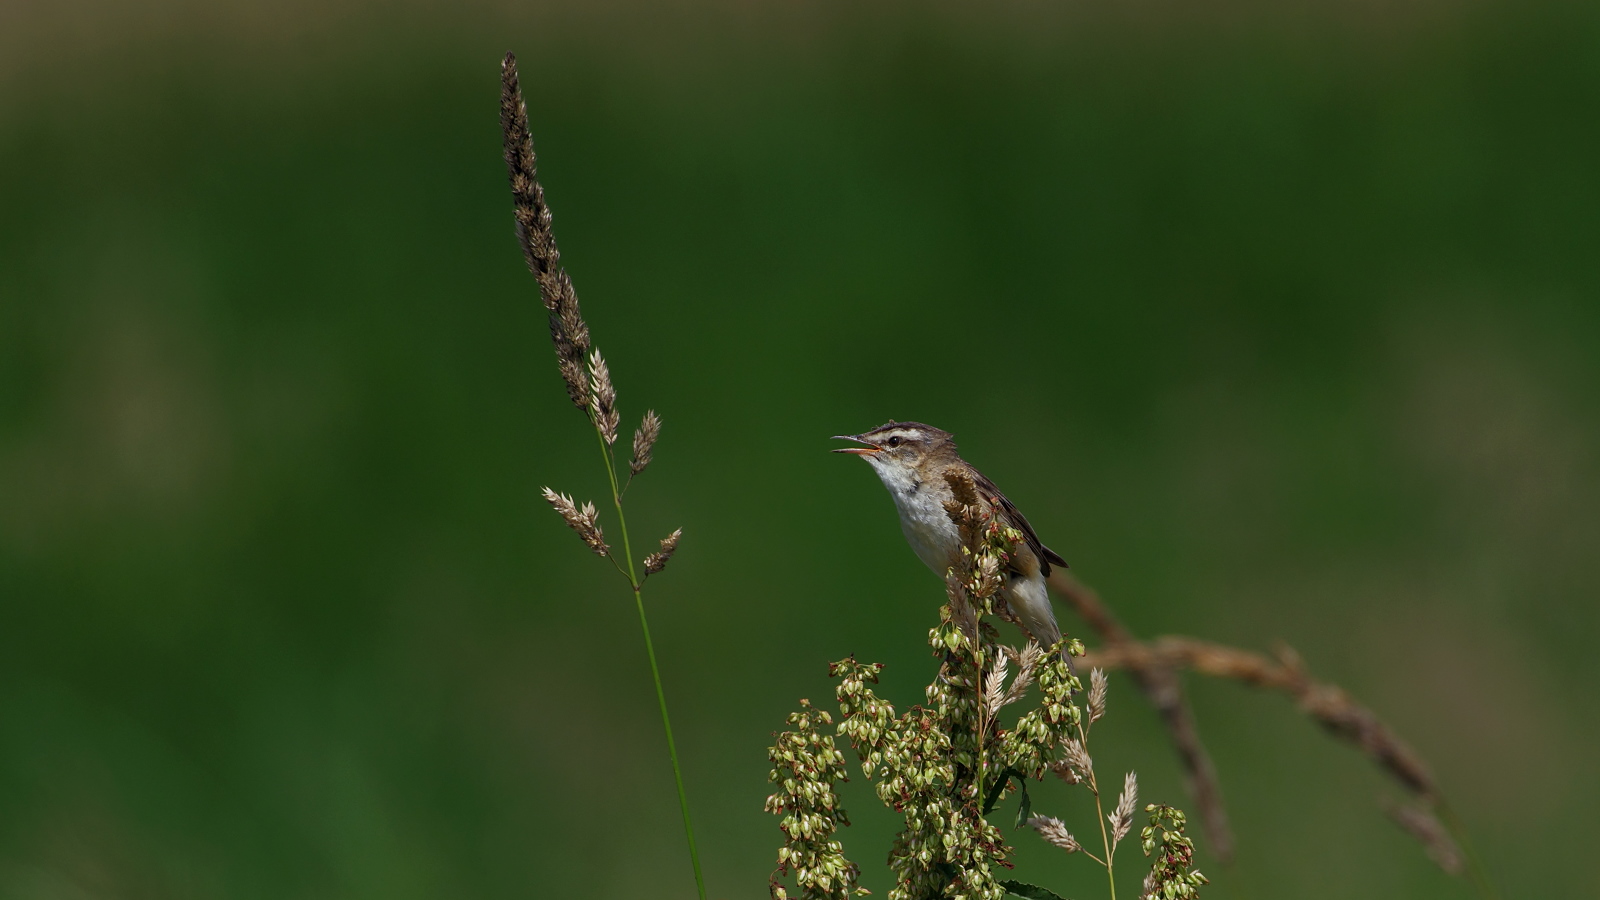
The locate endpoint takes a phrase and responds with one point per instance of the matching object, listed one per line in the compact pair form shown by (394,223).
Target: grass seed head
(657,561)
(1055,832)
(603,398)
(585,521)
(1122,818)
(1097,695)
(644,440)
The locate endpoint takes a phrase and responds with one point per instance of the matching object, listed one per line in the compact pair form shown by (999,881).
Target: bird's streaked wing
(994,498)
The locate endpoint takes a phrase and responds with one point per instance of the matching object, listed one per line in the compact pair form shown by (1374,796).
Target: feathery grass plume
(1162,687)
(1027,660)
(1075,756)
(644,440)
(657,561)
(1122,818)
(1172,876)
(584,521)
(1066,771)
(1097,695)
(591,391)
(805,766)
(1055,832)
(1075,767)
(994,684)
(568,331)
(603,398)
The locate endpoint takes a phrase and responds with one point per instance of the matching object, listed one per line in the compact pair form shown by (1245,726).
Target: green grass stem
(655,670)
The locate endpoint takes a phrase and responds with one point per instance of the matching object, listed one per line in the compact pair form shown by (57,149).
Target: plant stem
(672,748)
(655,671)
(1100,814)
(977,664)
(616,500)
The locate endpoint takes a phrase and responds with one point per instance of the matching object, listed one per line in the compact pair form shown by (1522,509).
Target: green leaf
(1024,806)
(998,786)
(1030,891)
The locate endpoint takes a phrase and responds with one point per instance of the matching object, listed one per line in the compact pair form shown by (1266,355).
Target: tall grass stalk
(589,386)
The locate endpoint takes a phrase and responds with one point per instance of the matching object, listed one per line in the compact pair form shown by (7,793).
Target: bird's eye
(894,442)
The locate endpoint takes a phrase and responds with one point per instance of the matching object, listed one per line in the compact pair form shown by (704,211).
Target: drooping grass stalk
(589,386)
(1427,816)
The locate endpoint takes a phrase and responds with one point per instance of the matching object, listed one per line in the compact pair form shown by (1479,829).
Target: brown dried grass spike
(568,332)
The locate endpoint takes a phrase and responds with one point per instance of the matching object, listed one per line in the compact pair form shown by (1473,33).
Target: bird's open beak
(868,450)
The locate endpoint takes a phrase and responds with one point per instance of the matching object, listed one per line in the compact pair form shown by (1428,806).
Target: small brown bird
(910,458)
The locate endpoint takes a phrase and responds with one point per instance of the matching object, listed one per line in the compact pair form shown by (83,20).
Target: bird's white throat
(922,515)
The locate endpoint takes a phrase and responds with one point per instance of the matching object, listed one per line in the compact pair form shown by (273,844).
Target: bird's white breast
(922,517)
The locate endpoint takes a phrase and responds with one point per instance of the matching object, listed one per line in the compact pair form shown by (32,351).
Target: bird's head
(903,447)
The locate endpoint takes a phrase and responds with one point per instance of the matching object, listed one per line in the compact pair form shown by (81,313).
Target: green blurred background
(1278,322)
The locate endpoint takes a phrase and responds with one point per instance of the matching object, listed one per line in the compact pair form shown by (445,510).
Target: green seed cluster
(1171,876)
(927,762)
(806,766)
